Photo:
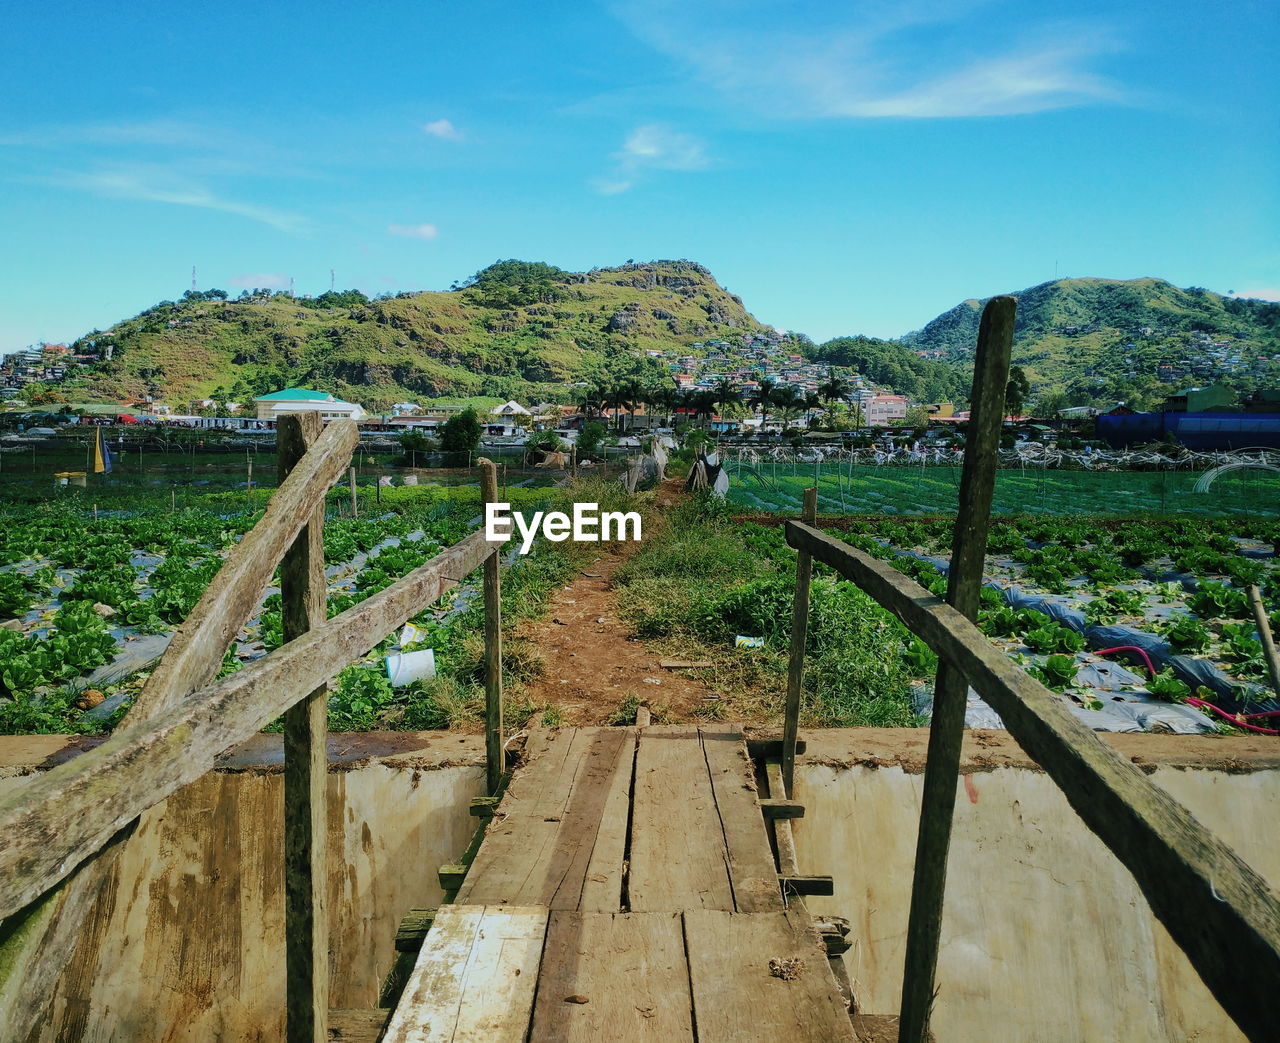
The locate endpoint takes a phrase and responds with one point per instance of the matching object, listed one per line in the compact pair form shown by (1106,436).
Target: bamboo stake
(799,638)
(355,509)
(1264,635)
(942,767)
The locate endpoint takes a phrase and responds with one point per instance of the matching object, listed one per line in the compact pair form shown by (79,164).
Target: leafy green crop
(1054,637)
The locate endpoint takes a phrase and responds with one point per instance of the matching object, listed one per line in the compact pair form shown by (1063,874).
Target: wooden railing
(62,831)
(1225,917)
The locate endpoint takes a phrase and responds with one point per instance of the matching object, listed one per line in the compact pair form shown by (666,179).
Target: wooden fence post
(946,732)
(799,637)
(1265,636)
(304,598)
(495,757)
(355,507)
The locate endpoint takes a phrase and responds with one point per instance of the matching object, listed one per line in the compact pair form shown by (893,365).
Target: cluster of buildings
(40,363)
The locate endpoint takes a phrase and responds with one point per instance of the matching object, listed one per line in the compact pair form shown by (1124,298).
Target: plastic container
(406,667)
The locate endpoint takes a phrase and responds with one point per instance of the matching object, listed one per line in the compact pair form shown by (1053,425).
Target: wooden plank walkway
(625,889)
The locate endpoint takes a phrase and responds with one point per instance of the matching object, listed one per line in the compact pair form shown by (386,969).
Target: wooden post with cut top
(1265,636)
(304,601)
(946,731)
(495,758)
(355,506)
(799,637)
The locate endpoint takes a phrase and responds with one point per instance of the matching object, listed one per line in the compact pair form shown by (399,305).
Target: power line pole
(194,289)
(331,280)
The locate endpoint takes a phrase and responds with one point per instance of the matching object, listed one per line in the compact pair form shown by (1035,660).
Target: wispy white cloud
(263,280)
(160,132)
(442,128)
(158,183)
(868,59)
(1261,293)
(424,231)
(653,146)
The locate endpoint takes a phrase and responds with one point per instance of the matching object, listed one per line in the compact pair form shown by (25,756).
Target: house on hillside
(1212,399)
(305,400)
(885,409)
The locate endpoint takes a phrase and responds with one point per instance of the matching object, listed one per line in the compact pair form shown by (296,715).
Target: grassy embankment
(700,580)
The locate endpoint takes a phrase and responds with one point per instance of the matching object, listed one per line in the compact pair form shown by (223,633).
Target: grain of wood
(304,600)
(495,754)
(678,856)
(72,810)
(946,728)
(1223,915)
(475,978)
(356,1025)
(631,969)
(751,868)
(738,996)
(37,938)
(195,653)
(799,639)
(558,838)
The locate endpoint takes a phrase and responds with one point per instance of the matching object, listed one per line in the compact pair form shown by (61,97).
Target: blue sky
(853,167)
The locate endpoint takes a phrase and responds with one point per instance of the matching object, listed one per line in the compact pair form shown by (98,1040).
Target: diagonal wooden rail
(62,833)
(1223,915)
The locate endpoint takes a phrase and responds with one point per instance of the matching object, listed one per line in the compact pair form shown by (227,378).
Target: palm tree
(834,389)
(703,404)
(726,392)
(764,396)
(812,402)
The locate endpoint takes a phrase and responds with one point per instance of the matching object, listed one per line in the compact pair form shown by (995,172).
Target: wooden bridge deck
(625,889)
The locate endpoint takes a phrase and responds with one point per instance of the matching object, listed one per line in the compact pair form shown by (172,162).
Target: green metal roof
(295,395)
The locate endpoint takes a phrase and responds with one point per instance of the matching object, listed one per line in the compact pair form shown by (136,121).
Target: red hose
(1240,720)
(1130,648)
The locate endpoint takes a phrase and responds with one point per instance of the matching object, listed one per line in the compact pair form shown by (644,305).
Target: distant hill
(1129,339)
(515,329)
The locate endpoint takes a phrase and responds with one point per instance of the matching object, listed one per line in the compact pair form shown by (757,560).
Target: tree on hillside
(726,393)
(765,395)
(1016,392)
(834,389)
(1050,404)
(461,433)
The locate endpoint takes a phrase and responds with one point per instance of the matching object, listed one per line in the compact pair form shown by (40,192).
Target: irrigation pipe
(1131,648)
(1238,720)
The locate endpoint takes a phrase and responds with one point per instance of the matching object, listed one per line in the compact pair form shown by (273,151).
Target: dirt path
(593,660)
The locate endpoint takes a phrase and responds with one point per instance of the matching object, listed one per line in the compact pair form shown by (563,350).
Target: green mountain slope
(888,363)
(1092,338)
(514,330)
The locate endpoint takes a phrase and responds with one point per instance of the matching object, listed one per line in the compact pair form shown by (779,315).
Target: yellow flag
(99,465)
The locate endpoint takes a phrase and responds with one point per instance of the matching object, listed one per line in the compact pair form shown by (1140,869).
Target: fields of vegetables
(1164,602)
(845,488)
(90,597)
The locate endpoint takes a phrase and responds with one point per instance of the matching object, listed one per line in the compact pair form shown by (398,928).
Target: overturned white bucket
(406,667)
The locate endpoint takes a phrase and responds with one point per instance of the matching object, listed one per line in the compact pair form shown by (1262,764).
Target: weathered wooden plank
(475,978)
(1224,915)
(552,842)
(797,884)
(733,784)
(1268,640)
(356,1024)
(38,940)
(495,756)
(678,856)
(72,810)
(775,809)
(613,976)
(413,928)
(942,768)
(761,976)
(799,638)
(304,600)
(195,653)
(605,875)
